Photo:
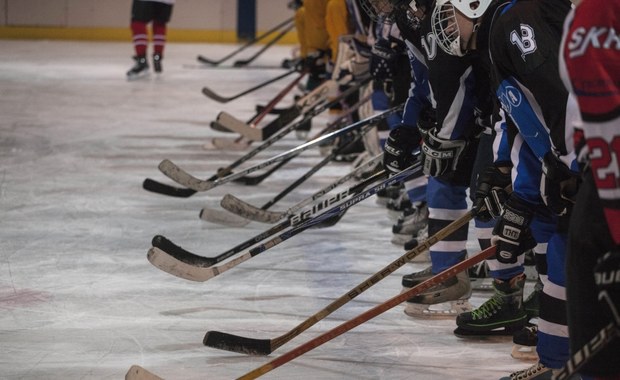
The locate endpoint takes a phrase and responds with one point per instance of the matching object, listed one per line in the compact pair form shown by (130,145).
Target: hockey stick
(217,217)
(235,343)
(284,119)
(248,211)
(302,106)
(368,315)
(180,176)
(269,106)
(255,180)
(225,99)
(191,267)
(167,248)
(208,61)
(136,372)
(244,62)
(595,345)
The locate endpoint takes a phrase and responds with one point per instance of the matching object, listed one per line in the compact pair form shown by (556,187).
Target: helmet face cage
(446,28)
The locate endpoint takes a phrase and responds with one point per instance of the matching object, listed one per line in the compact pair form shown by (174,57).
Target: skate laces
(487,309)
(528,373)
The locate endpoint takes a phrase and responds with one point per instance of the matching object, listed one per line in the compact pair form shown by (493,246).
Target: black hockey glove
(483,123)
(399,146)
(315,63)
(491,191)
(559,185)
(427,120)
(607,279)
(440,156)
(512,234)
(383,60)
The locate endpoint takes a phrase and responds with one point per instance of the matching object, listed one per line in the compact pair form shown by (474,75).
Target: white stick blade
(169,264)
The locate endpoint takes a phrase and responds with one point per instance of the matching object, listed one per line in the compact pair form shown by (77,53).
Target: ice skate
(410,223)
(413,279)
(389,193)
(502,314)
(157,63)
(397,206)
(479,276)
(139,70)
(424,256)
(536,372)
(524,343)
(446,300)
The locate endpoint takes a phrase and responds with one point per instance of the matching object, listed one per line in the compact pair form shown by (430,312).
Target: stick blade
(169,264)
(180,254)
(180,176)
(248,211)
(161,188)
(222,217)
(234,144)
(206,91)
(235,343)
(230,122)
(138,373)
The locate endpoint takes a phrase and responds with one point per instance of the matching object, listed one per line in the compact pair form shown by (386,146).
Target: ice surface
(78,298)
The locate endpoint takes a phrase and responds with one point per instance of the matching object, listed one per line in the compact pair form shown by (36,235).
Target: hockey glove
(491,191)
(383,60)
(512,234)
(559,185)
(427,120)
(399,146)
(607,279)
(440,156)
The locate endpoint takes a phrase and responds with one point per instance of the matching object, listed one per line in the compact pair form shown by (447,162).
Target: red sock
(159,37)
(140,40)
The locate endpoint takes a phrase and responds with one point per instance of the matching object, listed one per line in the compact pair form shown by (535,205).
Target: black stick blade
(239,344)
(181,254)
(161,188)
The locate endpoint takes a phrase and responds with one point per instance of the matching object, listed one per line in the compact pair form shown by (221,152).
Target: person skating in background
(143,12)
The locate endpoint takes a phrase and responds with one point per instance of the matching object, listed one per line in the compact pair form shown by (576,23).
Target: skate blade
(499,335)
(481,283)
(525,353)
(446,310)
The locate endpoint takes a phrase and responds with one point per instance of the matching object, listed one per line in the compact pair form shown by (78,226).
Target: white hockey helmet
(469,8)
(445,25)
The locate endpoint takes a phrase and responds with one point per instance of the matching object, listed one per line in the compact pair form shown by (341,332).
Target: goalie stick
(278,37)
(225,99)
(208,61)
(350,324)
(248,211)
(189,266)
(206,214)
(235,343)
(368,315)
(180,176)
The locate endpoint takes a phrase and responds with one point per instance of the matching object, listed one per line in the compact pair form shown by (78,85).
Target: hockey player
(591,53)
(522,39)
(450,145)
(143,12)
